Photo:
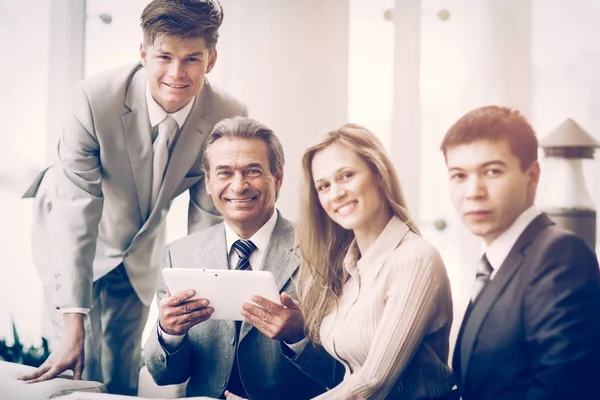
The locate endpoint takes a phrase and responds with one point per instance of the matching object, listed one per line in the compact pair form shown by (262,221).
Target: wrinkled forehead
(238,153)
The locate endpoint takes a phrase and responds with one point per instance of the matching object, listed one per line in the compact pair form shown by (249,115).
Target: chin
(346,223)
(482,233)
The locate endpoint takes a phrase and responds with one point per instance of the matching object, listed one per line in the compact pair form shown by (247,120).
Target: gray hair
(246,128)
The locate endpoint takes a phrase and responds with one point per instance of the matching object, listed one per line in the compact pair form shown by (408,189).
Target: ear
(212,60)
(143,53)
(533,172)
(278,180)
(207,183)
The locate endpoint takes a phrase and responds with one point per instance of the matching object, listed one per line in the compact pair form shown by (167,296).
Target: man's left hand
(276,322)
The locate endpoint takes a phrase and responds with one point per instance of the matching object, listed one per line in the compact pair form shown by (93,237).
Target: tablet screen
(226,290)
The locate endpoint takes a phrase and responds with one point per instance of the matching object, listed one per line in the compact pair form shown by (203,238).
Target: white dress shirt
(381,329)
(497,252)
(156,114)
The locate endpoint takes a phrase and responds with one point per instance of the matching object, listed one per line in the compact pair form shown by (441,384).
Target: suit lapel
(187,147)
(478,312)
(280,258)
(213,251)
(136,126)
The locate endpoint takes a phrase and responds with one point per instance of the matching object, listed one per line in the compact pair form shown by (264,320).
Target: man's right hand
(68,355)
(177,315)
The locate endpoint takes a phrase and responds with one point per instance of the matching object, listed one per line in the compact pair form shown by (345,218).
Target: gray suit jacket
(92,205)
(207,354)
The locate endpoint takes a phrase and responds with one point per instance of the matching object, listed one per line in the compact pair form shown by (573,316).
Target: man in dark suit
(243,161)
(532,328)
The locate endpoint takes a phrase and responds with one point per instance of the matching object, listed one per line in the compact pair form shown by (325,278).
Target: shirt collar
(497,252)
(392,235)
(260,238)
(157,114)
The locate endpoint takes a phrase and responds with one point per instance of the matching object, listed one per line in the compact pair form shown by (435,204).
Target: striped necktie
(482,277)
(243,248)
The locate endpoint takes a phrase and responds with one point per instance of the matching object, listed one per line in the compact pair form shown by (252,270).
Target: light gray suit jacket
(92,205)
(207,354)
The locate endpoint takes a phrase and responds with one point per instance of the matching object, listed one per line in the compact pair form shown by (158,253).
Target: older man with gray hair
(243,161)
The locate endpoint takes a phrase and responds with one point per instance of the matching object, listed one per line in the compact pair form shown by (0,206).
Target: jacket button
(56,275)
(161,358)
(49,207)
(57,286)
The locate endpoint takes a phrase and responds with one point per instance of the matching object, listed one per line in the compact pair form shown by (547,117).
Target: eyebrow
(337,171)
(484,165)
(194,54)
(251,165)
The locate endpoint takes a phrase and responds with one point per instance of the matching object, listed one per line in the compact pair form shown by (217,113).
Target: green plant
(18,353)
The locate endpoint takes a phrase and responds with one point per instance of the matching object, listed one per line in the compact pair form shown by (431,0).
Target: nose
(338,192)
(176,69)
(239,183)
(474,188)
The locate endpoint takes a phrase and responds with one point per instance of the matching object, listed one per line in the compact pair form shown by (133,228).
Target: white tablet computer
(226,290)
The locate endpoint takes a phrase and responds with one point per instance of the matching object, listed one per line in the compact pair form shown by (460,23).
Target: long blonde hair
(323,243)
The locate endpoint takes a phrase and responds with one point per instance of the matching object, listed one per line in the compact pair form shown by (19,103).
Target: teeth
(176,86)
(240,201)
(346,208)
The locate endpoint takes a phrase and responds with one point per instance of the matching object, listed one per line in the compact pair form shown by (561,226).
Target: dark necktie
(482,277)
(243,248)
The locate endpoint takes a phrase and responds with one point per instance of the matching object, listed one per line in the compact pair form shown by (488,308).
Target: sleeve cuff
(79,310)
(171,343)
(298,346)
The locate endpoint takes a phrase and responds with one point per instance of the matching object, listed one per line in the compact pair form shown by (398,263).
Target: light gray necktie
(482,277)
(166,131)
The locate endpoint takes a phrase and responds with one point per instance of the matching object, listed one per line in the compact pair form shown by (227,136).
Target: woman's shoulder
(417,246)
(414,250)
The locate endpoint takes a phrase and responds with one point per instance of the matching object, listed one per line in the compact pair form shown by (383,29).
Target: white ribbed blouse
(390,328)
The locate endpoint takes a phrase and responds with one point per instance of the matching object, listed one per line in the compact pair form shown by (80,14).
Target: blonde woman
(374,293)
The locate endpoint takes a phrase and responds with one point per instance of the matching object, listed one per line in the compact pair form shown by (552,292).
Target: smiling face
(488,187)
(241,183)
(349,191)
(176,69)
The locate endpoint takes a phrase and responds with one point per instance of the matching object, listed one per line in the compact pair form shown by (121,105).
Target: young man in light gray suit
(244,162)
(131,143)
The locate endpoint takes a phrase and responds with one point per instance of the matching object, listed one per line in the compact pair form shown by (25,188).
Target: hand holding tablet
(226,290)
